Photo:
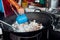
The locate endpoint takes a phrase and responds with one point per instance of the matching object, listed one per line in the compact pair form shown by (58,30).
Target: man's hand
(32,3)
(20,11)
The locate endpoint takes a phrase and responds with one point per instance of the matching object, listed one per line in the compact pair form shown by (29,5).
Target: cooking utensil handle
(11,27)
(14,10)
(36,10)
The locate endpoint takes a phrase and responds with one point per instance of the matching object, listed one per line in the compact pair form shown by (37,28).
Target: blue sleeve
(1,6)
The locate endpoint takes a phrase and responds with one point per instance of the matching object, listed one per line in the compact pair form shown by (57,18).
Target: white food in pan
(32,26)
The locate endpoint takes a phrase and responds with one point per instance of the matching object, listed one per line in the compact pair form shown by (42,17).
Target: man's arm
(19,8)
(14,3)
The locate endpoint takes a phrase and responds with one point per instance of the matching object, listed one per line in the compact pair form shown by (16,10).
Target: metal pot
(40,17)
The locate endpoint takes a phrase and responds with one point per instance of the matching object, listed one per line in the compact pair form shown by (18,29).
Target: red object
(30,0)
(7,9)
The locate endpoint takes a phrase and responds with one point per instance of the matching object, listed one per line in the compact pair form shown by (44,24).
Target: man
(8,9)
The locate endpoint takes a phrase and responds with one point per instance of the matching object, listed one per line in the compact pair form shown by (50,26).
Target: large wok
(40,17)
